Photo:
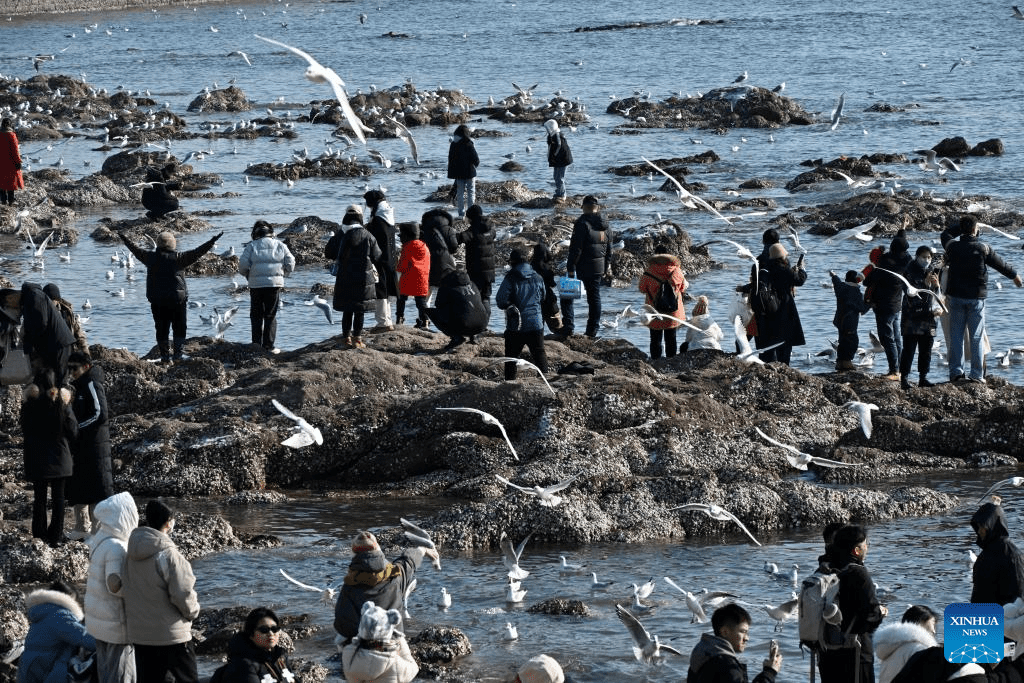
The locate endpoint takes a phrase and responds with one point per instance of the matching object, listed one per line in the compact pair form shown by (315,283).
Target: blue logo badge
(973,633)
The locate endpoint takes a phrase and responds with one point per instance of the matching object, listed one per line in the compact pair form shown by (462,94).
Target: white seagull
(913,291)
(491,420)
(510,556)
(838,111)
(783,612)
(692,603)
(998,231)
(859,232)
(306,433)
(800,460)
(523,363)
(446,599)
(326,594)
(644,590)
(646,648)
(511,632)
(685,195)
(1012,481)
(514,593)
(322,304)
(546,496)
(863,411)
(715,512)
(419,537)
(405,136)
(748,354)
(566,566)
(596,585)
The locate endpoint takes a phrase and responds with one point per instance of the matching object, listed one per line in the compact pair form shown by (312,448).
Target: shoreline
(24,8)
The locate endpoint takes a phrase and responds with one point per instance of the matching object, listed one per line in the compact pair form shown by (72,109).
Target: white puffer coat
(391,663)
(104,611)
(895,644)
(266,262)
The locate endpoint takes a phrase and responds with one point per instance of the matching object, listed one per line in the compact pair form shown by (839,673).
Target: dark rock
(511,167)
(988,148)
(225,99)
(952,147)
(561,606)
(735,106)
(630,25)
(439,645)
(756,184)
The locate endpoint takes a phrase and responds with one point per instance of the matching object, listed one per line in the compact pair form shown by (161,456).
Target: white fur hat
(377,623)
(552,126)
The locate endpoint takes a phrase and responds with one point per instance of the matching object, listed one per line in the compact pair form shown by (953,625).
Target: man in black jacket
(590,255)
(714,658)
(999,570)
(886,297)
(166,289)
(966,289)
(479,241)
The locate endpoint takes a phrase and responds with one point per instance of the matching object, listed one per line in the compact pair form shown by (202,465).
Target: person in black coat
(543,265)
(458,311)
(382,227)
(559,156)
(92,480)
(523,289)
(437,233)
(917,320)
(998,572)
(47,339)
(254,653)
(850,306)
(590,256)
(166,289)
(714,659)
(862,613)
(884,292)
(48,426)
(157,197)
(784,324)
(355,251)
(462,163)
(479,241)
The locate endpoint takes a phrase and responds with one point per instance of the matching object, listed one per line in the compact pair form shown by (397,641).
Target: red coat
(414,265)
(10,163)
(666,267)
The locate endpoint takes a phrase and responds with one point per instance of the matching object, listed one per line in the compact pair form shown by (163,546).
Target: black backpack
(665,300)
(764,300)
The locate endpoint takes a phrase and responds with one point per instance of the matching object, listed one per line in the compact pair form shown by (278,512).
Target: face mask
(924,262)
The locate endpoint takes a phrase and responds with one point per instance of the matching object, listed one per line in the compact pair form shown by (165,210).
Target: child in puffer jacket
(379,654)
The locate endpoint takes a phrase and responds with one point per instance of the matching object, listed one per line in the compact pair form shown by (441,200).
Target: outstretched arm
(187,258)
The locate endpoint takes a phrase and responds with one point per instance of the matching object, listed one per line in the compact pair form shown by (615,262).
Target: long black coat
(784,324)
(44,331)
(559,153)
(479,241)
(47,430)
(356,251)
(165,270)
(462,158)
(247,663)
(884,290)
(590,247)
(92,480)
(385,234)
(441,241)
(999,570)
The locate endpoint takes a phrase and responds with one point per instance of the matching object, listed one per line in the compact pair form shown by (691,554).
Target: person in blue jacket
(55,633)
(522,289)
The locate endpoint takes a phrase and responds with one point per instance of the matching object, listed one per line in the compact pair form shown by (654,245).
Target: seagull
(970,557)
(649,314)
(644,590)
(742,77)
(305,434)
(639,607)
(859,232)
(801,460)
(596,585)
(692,603)
(1017,14)
(239,53)
(318,73)
(224,321)
(320,303)
(1012,481)
(228,253)
(87,305)
(780,87)
(405,136)
(911,289)
(795,236)
(420,538)
(491,420)
(715,599)
(39,251)
(748,354)
(838,111)
(940,165)
(998,232)
(405,599)
(544,495)
(514,594)
(645,647)
(685,194)
(510,556)
(567,567)
(715,512)
(446,599)
(326,594)
(523,363)
(863,411)
(511,633)
(783,612)
(959,62)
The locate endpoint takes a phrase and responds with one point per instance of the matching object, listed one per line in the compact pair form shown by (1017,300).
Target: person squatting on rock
(543,265)
(354,251)
(382,226)
(414,267)
(663,267)
(67,312)
(55,634)
(998,574)
(559,156)
(458,311)
(105,618)
(462,163)
(379,653)
(437,233)
(92,479)
(479,241)
(46,338)
(712,335)
(160,600)
(265,263)
(48,427)
(371,577)
(918,319)
(590,257)
(966,290)
(157,197)
(11,178)
(784,324)
(715,660)
(850,306)
(255,653)
(884,292)
(166,289)
(521,296)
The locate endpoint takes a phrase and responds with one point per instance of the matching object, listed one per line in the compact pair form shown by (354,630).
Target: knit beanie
(777,251)
(591,200)
(165,240)
(853,276)
(157,514)
(365,542)
(373,197)
(376,623)
(51,290)
(770,236)
(899,243)
(353,215)
(552,126)
(474,212)
(701,307)
(516,257)
(541,669)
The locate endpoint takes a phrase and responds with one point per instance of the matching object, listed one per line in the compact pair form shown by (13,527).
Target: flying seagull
(646,647)
(491,420)
(863,411)
(420,538)
(510,556)
(305,434)
(838,111)
(405,136)
(544,495)
(685,195)
(718,513)
(326,594)
(1012,481)
(801,460)
(523,363)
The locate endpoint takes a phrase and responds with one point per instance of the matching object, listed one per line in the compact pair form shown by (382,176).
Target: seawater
(898,53)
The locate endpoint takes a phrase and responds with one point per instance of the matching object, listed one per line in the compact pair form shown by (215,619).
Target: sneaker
(275,350)
(976,380)
(349,344)
(893,376)
(357,343)
(382,328)
(958,378)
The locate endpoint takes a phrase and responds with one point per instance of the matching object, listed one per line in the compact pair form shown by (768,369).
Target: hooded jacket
(371,577)
(414,265)
(44,332)
(559,153)
(356,252)
(382,227)
(93,480)
(248,663)
(784,324)
(159,590)
(664,267)
(104,610)
(969,260)
(896,643)
(479,241)
(590,247)
(930,664)
(885,289)
(441,240)
(714,661)
(462,156)
(458,309)
(48,431)
(523,288)
(165,270)
(999,569)
(55,633)
(711,337)
(383,662)
(850,305)
(265,262)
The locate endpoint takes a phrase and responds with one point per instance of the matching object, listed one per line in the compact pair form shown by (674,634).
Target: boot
(357,343)
(165,351)
(401,320)
(844,366)
(922,382)
(904,382)
(179,344)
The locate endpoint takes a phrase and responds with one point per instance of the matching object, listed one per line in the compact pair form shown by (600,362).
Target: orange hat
(365,542)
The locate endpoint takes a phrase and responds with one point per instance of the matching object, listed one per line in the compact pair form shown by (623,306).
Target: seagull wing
(522,545)
(554,488)
(639,634)
(284,411)
(667,648)
(305,55)
(684,193)
(466,410)
(714,595)
(742,526)
(404,134)
(230,313)
(741,338)
(41,249)
(674,585)
(838,111)
(298,440)
(825,462)
(504,434)
(506,482)
(998,231)
(791,449)
(691,507)
(300,584)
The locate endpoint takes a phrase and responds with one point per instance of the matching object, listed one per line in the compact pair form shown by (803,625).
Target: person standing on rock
(462,163)
(885,295)
(998,573)
(265,263)
(850,306)
(48,341)
(522,294)
(67,312)
(542,264)
(559,157)
(784,324)
(414,266)
(92,479)
(160,600)
(11,179)
(590,256)
(715,658)
(354,251)
(372,578)
(382,227)
(479,241)
(966,289)
(663,267)
(442,241)
(917,321)
(166,289)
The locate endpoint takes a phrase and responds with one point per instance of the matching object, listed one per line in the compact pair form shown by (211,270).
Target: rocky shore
(26,7)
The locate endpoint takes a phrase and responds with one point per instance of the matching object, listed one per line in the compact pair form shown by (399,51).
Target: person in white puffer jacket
(895,644)
(265,262)
(104,607)
(380,653)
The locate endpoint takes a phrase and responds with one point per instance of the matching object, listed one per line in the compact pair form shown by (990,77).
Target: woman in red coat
(414,266)
(664,267)
(10,163)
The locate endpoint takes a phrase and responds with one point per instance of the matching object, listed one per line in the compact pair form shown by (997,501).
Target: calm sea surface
(900,53)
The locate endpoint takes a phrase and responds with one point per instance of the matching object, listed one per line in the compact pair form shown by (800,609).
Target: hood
(368,561)
(892,637)
(552,126)
(436,218)
(385,211)
(989,517)
(462,133)
(370,664)
(522,271)
(479,225)
(664,260)
(118,516)
(145,542)
(455,278)
(595,221)
(44,602)
(709,647)
(899,243)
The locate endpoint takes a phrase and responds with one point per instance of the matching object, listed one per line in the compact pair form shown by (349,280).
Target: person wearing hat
(265,263)
(160,600)
(67,312)
(157,197)
(371,577)
(378,653)
(663,266)
(918,319)
(540,669)
(886,298)
(850,306)
(479,241)
(462,163)
(712,334)
(355,251)
(382,227)
(559,156)
(522,294)
(166,289)
(11,178)
(784,324)
(590,256)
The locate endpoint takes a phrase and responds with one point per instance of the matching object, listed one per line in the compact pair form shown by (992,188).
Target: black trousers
(670,342)
(485,293)
(514,343)
(923,344)
(352,322)
(157,662)
(55,529)
(263,305)
(838,666)
(166,317)
(7,197)
(421,307)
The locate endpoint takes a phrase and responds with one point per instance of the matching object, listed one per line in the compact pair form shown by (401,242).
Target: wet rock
(674,166)
(213,628)
(887,108)
(24,559)
(439,645)
(756,184)
(952,147)
(13,626)
(648,24)
(256,498)
(225,99)
(852,167)
(511,167)
(311,168)
(988,148)
(503,192)
(560,606)
(735,106)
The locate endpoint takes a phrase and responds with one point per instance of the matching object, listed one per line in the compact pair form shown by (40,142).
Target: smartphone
(773,650)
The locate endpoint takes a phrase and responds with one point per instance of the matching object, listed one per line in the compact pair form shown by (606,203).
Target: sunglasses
(268,629)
